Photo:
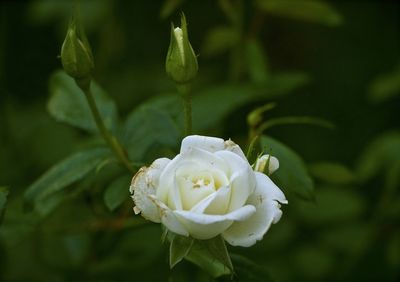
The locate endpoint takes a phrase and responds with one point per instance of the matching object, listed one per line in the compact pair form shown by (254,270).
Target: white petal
(174,196)
(191,194)
(271,190)
(145,183)
(198,159)
(233,147)
(210,144)
(242,180)
(179,39)
(168,217)
(204,226)
(216,203)
(265,198)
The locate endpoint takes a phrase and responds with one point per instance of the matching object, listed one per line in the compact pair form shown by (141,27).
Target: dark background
(130,41)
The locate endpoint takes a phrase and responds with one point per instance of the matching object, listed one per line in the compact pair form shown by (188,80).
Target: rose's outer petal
(168,217)
(234,148)
(145,183)
(242,179)
(210,144)
(265,199)
(204,226)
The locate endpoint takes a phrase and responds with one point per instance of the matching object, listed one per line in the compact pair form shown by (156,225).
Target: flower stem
(184,90)
(108,137)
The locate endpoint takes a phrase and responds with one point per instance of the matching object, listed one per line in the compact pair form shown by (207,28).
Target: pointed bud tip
(181,62)
(76,55)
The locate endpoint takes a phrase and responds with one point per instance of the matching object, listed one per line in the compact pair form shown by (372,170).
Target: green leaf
(209,100)
(219,40)
(380,155)
(249,271)
(68,104)
(65,173)
(385,86)
(117,192)
(332,205)
(334,173)
(292,173)
(179,248)
(3,200)
(147,127)
(316,11)
(212,256)
(257,64)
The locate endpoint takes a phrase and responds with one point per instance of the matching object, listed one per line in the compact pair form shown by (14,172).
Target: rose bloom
(209,189)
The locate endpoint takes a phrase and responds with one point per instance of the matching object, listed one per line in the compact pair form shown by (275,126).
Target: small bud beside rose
(76,54)
(267,164)
(181,62)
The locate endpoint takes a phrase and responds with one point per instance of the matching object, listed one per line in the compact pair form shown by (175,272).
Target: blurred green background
(335,60)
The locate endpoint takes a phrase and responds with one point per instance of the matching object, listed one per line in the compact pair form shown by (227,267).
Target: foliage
(65,210)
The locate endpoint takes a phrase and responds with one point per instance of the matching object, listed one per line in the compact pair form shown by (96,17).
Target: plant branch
(108,137)
(184,90)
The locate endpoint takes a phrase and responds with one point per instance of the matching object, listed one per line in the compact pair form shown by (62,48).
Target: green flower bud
(181,63)
(76,54)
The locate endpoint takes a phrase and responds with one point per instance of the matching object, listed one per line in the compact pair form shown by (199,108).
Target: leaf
(255,117)
(257,64)
(292,173)
(316,11)
(147,127)
(3,200)
(334,173)
(65,173)
(179,248)
(117,192)
(212,256)
(380,155)
(332,205)
(169,7)
(385,87)
(68,104)
(249,271)
(218,40)
(208,100)
(235,95)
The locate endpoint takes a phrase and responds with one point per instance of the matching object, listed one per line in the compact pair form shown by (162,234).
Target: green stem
(108,137)
(184,90)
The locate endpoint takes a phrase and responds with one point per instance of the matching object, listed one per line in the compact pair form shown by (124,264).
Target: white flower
(208,189)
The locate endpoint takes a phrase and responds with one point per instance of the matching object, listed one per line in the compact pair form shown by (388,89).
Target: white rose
(208,189)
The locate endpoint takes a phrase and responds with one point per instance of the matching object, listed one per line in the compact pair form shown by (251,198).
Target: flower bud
(267,164)
(76,54)
(181,62)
